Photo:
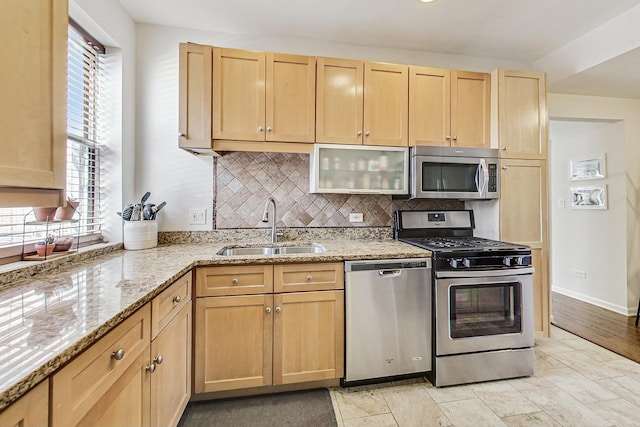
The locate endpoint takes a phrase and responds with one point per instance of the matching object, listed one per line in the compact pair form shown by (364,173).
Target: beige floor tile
(472,413)
(360,404)
(578,386)
(551,346)
(627,387)
(535,419)
(412,406)
(530,383)
(620,412)
(546,362)
(384,420)
(583,363)
(560,334)
(504,399)
(449,394)
(336,407)
(624,366)
(564,408)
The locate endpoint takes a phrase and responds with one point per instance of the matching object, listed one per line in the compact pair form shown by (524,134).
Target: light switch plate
(356,217)
(197,216)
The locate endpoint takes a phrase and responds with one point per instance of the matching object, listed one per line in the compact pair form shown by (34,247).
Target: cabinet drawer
(83,382)
(308,277)
(234,280)
(165,306)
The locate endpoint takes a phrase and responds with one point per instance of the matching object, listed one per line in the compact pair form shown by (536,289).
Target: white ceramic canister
(140,234)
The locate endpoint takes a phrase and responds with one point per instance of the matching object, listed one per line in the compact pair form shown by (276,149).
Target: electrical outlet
(356,217)
(197,216)
(580,274)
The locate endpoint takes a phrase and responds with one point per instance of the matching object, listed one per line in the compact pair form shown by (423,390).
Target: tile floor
(576,383)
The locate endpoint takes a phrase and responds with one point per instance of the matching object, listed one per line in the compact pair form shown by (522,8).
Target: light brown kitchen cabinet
(33,103)
(361,102)
(109,383)
(31,410)
(449,107)
(521,118)
(260,96)
(194,103)
(524,219)
(259,339)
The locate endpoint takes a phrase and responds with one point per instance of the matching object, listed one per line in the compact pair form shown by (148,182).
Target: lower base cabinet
(244,341)
(31,410)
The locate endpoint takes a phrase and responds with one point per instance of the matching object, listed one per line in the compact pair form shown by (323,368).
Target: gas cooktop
(461,244)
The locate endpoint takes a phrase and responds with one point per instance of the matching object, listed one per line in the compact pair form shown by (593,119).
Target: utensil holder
(140,234)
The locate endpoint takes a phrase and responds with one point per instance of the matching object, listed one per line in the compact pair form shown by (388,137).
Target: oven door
(483,310)
(434,177)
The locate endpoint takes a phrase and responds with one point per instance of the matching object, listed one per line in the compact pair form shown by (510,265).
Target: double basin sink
(313,248)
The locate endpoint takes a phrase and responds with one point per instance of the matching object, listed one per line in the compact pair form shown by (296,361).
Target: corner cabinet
(33,104)
(362,102)
(356,169)
(248,336)
(449,107)
(31,410)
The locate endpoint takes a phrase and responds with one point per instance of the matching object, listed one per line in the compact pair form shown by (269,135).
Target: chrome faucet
(265,218)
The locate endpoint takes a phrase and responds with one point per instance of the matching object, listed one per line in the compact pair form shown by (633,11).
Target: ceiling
(548,34)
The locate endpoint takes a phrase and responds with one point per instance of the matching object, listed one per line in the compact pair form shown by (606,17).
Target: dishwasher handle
(389,273)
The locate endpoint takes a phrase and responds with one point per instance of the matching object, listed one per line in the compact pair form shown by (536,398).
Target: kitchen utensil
(145,198)
(157,208)
(149,211)
(136,213)
(126,212)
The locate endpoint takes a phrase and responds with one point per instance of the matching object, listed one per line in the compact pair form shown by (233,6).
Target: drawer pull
(278,309)
(177,299)
(151,368)
(158,360)
(234,281)
(268,309)
(118,354)
(309,277)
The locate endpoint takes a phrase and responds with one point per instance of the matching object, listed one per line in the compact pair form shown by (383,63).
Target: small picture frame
(594,197)
(592,167)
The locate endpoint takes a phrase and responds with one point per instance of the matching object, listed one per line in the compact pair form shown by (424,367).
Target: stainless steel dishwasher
(388,318)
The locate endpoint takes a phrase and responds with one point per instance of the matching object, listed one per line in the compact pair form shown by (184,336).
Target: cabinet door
(238,95)
(386,104)
(308,336)
(194,117)
(522,114)
(470,109)
(233,342)
(339,101)
(171,381)
(291,95)
(33,103)
(31,410)
(523,219)
(429,106)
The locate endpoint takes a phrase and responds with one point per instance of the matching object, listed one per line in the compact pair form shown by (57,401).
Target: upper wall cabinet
(33,102)
(448,107)
(263,96)
(361,102)
(520,99)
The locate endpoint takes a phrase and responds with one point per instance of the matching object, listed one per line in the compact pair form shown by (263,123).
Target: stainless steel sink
(274,250)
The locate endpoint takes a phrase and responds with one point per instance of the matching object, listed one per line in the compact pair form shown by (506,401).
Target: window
(84,121)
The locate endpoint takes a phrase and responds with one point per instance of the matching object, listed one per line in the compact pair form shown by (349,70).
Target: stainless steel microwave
(454,173)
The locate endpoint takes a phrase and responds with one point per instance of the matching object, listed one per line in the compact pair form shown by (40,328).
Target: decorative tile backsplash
(244,181)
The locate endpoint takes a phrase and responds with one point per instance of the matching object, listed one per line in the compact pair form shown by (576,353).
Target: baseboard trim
(626,311)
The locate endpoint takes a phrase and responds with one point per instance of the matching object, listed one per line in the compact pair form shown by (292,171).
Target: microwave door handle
(482,177)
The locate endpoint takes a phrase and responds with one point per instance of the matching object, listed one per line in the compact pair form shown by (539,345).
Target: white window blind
(84,147)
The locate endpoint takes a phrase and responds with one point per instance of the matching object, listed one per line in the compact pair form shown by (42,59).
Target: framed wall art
(593,167)
(594,197)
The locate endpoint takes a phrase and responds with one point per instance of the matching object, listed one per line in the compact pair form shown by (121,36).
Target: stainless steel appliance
(388,318)
(482,298)
(454,173)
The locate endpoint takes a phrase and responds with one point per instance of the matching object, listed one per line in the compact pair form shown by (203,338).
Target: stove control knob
(466,262)
(453,263)
(523,260)
(507,261)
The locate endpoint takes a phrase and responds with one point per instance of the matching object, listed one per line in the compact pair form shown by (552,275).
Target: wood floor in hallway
(610,330)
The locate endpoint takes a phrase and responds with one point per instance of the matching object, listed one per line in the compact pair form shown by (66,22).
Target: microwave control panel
(493,178)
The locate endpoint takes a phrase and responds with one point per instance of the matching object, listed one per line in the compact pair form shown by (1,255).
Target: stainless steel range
(482,298)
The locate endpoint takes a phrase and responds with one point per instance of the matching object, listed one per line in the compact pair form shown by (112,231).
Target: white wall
(110,24)
(184,180)
(576,107)
(590,241)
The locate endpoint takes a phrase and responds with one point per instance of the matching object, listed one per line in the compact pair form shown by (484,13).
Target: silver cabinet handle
(158,360)
(309,277)
(268,309)
(504,148)
(177,299)
(359,133)
(504,168)
(268,128)
(151,368)
(448,137)
(234,281)
(278,309)
(260,128)
(182,135)
(455,138)
(118,354)
(367,133)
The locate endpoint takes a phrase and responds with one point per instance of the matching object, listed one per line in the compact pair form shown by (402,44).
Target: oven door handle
(484,273)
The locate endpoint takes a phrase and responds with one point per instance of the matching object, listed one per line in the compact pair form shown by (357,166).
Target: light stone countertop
(48,319)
